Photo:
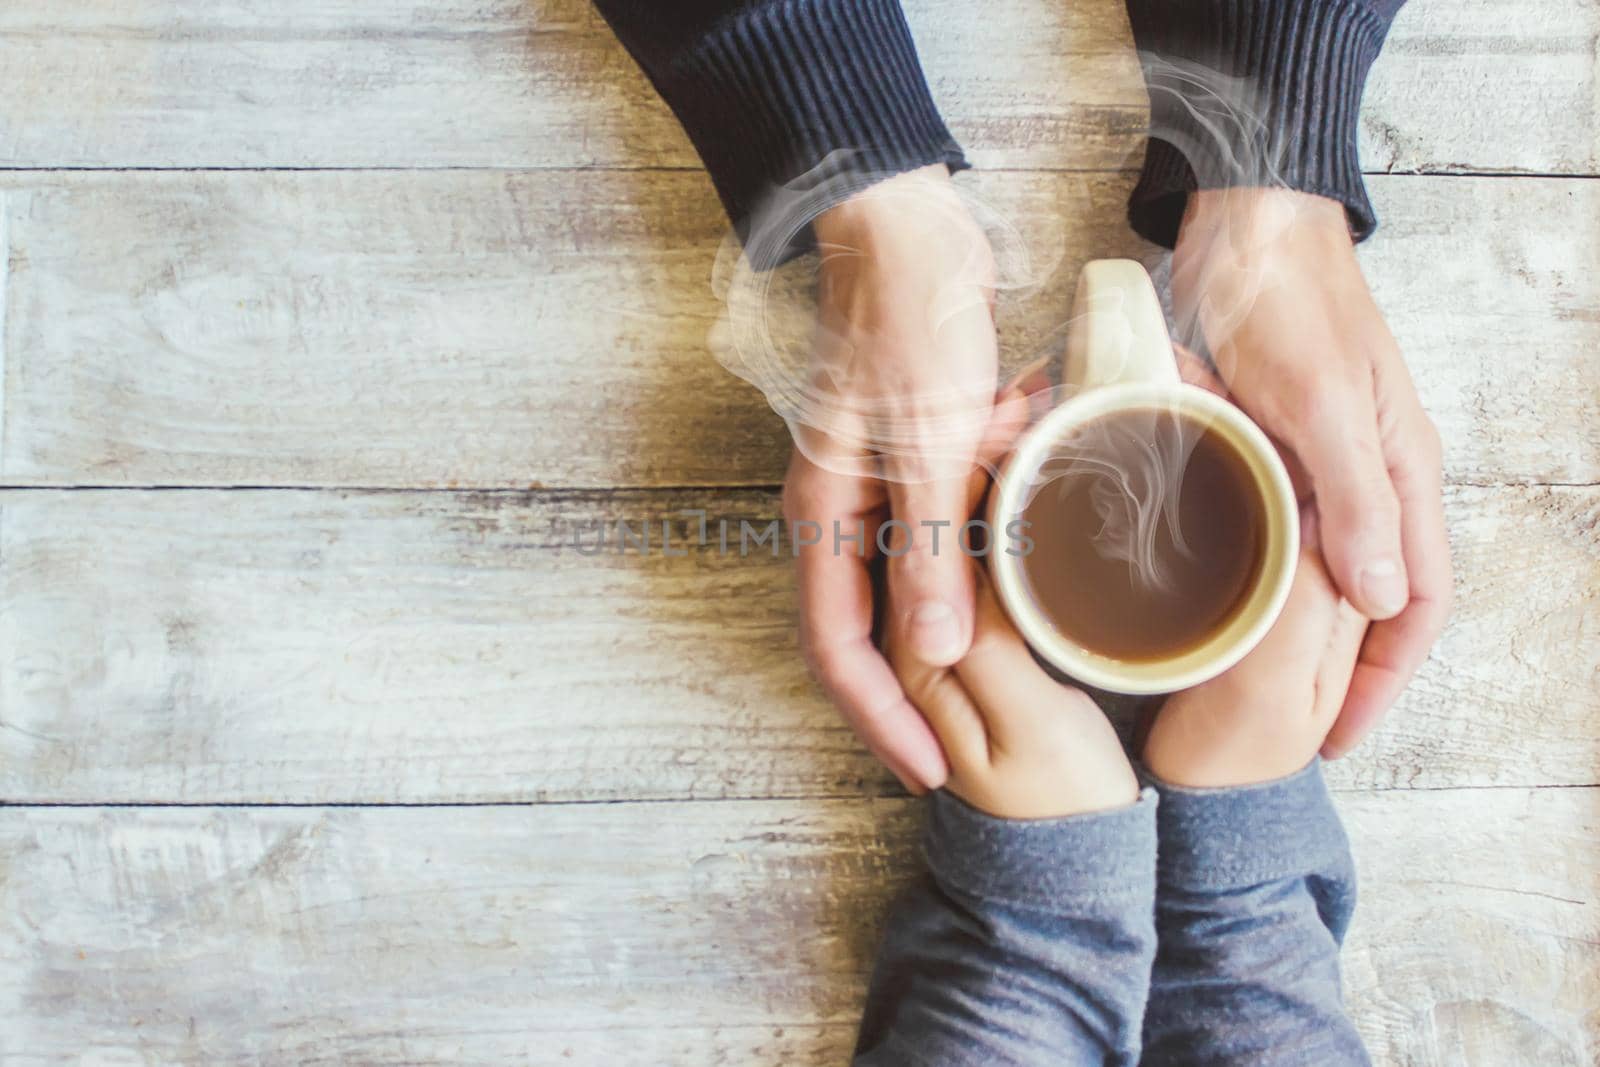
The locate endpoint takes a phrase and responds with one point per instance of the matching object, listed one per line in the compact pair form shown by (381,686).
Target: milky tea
(1148,534)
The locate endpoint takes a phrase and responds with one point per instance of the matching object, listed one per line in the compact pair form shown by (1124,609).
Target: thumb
(1340,448)
(930,578)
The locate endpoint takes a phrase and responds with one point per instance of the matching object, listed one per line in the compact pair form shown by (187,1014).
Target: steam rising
(1217,122)
(816,371)
(785,333)
(1134,464)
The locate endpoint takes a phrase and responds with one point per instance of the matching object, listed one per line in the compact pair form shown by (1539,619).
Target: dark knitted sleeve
(768,90)
(1253,92)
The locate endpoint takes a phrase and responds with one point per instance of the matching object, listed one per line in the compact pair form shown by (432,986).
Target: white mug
(1120,358)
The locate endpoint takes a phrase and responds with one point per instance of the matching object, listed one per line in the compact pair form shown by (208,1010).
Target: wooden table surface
(318,317)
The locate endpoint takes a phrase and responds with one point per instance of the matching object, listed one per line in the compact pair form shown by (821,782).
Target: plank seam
(556,490)
(464,490)
(832,798)
(492,168)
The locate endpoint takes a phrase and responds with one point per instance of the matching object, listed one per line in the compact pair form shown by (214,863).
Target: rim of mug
(1235,639)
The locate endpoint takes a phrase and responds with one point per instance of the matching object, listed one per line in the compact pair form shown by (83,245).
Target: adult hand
(1269,277)
(903,392)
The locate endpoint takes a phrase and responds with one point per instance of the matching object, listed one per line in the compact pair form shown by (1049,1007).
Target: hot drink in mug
(1162,530)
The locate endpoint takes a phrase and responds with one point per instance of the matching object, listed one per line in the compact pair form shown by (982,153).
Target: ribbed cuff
(830,91)
(1218,839)
(1042,863)
(1253,93)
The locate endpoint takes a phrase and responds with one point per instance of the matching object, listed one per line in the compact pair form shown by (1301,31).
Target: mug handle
(1118,332)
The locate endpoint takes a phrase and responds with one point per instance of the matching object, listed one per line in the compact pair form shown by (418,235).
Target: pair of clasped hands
(907,371)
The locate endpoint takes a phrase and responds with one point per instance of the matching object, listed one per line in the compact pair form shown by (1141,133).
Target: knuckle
(918,567)
(1363,506)
(1298,399)
(1326,414)
(1380,508)
(1320,415)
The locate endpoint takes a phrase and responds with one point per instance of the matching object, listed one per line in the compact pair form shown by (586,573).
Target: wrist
(1254,218)
(1102,788)
(885,207)
(1078,767)
(1200,744)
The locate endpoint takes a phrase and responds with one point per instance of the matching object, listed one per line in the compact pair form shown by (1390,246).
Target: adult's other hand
(1269,278)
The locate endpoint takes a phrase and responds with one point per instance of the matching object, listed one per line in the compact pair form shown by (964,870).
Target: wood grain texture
(271,646)
(734,933)
(449,328)
(380,329)
(1458,81)
(1475,940)
(545,323)
(542,83)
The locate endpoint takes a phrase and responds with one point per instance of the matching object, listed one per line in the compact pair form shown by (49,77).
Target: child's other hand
(1268,716)
(1020,744)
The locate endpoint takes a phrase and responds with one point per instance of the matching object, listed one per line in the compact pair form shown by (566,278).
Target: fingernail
(918,770)
(928,772)
(936,633)
(1383,587)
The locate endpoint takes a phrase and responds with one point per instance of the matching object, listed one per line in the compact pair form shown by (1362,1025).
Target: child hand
(1267,716)
(1020,745)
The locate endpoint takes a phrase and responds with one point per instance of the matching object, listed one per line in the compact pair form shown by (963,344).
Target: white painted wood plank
(537,84)
(1474,940)
(1519,662)
(269,646)
(680,933)
(389,647)
(1462,82)
(449,328)
(481,935)
(372,329)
